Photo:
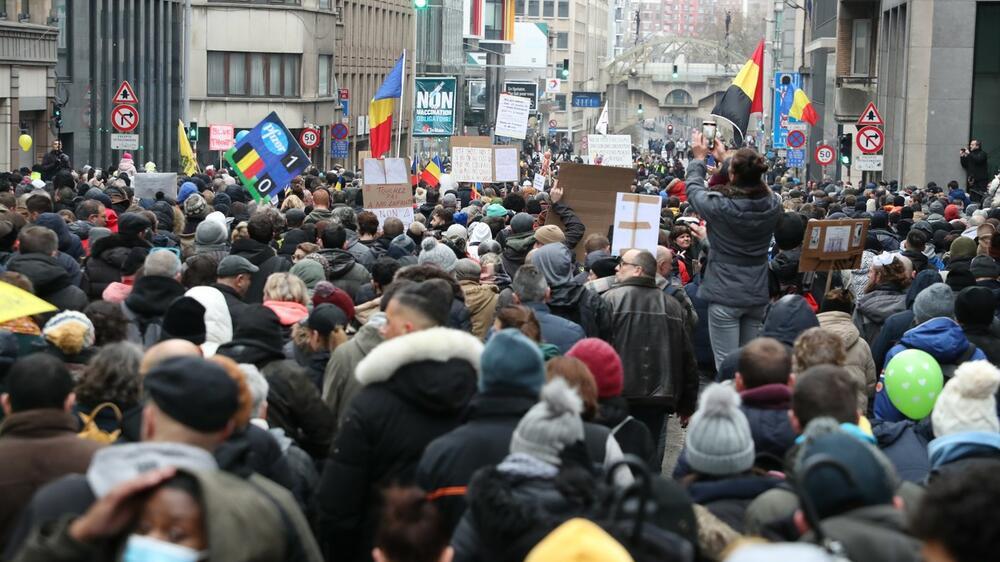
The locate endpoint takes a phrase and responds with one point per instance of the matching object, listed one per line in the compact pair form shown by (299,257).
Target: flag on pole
(802,108)
(745,95)
(475,191)
(380,111)
(432,172)
(189,164)
(414,178)
(602,121)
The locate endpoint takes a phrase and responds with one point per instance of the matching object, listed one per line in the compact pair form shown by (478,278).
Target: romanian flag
(380,110)
(802,108)
(745,95)
(432,172)
(414,178)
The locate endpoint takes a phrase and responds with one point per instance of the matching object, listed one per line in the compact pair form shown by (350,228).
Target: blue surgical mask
(140,548)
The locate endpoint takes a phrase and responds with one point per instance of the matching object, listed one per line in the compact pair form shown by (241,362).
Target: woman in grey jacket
(740,218)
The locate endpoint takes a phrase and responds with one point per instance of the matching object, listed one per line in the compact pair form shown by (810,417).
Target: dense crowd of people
(222,379)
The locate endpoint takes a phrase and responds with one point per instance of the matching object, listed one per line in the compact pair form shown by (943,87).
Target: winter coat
(265,258)
(234,302)
(675,290)
(448,463)
(952,454)
(766,408)
(515,250)
(339,384)
(107,258)
(37,447)
(888,239)
(648,334)
(976,165)
(415,389)
(872,534)
(728,498)
(345,271)
(558,331)
(700,337)
(859,356)
(50,279)
(875,307)
(481,300)
(145,306)
(631,434)
(905,443)
(252,450)
(218,320)
(739,233)
(361,253)
(69,243)
(985,339)
(785,320)
(569,299)
(319,215)
(573,227)
(897,324)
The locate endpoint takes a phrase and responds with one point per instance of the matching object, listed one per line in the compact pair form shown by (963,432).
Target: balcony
(853,95)
(27,43)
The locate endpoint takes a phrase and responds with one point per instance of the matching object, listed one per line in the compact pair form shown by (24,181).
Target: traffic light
(193,131)
(670,129)
(419,4)
(57,115)
(674,73)
(639,111)
(846,148)
(564,73)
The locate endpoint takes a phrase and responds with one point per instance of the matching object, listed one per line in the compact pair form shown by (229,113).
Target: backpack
(92,431)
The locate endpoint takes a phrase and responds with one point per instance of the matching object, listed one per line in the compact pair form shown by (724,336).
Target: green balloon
(913,380)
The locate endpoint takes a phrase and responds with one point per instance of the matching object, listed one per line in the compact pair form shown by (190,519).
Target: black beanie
(185,320)
(975,306)
(790,231)
(260,324)
(196,393)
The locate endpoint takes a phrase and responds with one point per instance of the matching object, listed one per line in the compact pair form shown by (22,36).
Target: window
(679,97)
(324,4)
(519,8)
(561,102)
(562,40)
(533,8)
(861,51)
(548,8)
(325,73)
(253,74)
(563,8)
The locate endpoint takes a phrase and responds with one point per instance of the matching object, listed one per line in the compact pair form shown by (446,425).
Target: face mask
(146,549)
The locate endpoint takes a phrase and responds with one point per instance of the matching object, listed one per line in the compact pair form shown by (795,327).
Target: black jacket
(631,434)
(233,301)
(51,281)
(345,271)
(448,463)
(107,257)
(647,328)
(265,258)
(975,164)
(145,306)
(985,339)
(728,498)
(415,389)
(582,306)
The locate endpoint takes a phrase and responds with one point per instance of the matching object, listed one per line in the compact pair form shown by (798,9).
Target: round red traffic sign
(824,155)
(339,131)
(124,118)
(796,139)
(869,139)
(552,124)
(309,138)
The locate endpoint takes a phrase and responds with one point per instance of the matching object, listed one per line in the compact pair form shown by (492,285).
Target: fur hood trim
(435,344)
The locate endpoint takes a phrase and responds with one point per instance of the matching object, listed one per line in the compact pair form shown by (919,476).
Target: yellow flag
(189,164)
(16,302)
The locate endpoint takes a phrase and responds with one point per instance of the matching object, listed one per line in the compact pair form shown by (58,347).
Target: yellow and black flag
(745,95)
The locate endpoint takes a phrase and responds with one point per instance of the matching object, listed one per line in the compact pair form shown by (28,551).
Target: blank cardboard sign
(591,192)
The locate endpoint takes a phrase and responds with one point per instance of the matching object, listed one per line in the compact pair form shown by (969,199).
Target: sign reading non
(824,155)
(220,137)
(523,89)
(386,190)
(434,107)
(309,137)
(869,139)
(267,158)
(586,99)
(124,118)
(124,141)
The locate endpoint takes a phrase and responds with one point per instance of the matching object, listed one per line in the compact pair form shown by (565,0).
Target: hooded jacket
(905,444)
(345,271)
(145,306)
(339,384)
(69,243)
(50,279)
(569,299)
(952,454)
(875,307)
(415,388)
(515,250)
(481,300)
(218,320)
(897,324)
(739,234)
(107,258)
(361,253)
(265,258)
(859,356)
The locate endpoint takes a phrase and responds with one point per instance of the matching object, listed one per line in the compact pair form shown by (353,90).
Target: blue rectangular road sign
(339,148)
(796,157)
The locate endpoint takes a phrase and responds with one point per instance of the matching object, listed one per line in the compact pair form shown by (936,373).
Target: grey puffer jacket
(875,308)
(739,233)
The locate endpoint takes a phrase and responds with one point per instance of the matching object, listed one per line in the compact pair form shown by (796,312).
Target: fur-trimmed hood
(435,344)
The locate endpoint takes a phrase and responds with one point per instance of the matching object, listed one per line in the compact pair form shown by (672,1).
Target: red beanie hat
(951,212)
(604,364)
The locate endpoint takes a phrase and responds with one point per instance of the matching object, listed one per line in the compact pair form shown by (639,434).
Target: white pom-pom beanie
(967,402)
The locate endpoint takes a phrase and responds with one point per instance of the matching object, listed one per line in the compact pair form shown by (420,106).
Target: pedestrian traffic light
(57,115)
(639,111)
(193,131)
(674,73)
(564,73)
(419,4)
(846,148)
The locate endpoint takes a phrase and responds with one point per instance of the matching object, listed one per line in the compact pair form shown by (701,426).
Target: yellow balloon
(25,142)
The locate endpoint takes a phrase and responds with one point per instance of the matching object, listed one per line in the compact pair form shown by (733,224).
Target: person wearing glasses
(648,332)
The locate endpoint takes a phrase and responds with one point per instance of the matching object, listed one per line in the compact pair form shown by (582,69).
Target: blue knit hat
(511,360)
(187,190)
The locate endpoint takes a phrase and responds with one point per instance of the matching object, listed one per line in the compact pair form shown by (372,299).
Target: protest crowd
(220,378)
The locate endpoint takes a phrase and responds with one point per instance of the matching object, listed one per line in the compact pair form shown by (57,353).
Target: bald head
(321,199)
(664,261)
(166,350)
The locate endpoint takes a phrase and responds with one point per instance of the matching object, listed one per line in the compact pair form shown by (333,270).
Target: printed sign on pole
(309,137)
(869,139)
(795,139)
(553,85)
(125,94)
(267,158)
(824,155)
(339,148)
(125,118)
(870,116)
(124,141)
(869,162)
(434,107)
(220,137)
(796,157)
(785,84)
(344,94)
(610,150)
(512,116)
(523,89)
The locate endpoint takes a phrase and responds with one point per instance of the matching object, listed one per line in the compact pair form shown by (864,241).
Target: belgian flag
(744,96)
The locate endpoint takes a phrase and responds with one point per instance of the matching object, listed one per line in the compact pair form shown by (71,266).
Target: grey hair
(529,284)
(258,387)
(162,264)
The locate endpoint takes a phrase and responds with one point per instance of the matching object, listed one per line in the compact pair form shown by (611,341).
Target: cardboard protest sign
(610,150)
(386,190)
(147,185)
(833,244)
(591,191)
(267,158)
(512,116)
(636,223)
(472,159)
(505,164)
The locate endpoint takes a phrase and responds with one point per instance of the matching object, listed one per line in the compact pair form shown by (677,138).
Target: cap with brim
(326,318)
(231,266)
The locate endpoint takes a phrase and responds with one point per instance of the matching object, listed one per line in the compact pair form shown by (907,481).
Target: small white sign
(797,126)
(539,182)
(472,164)
(637,223)
(124,141)
(506,164)
(610,150)
(512,116)
(553,85)
(385,171)
(404,214)
(868,162)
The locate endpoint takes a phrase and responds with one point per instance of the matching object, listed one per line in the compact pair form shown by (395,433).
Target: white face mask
(146,549)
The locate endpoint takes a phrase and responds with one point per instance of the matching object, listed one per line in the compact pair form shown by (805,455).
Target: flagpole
(402,100)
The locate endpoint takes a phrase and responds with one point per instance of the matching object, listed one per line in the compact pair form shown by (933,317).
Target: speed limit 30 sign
(824,155)
(309,138)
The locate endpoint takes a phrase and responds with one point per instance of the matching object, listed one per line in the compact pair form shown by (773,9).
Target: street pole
(769,33)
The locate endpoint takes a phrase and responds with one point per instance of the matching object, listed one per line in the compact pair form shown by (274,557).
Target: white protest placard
(637,223)
(220,137)
(610,150)
(386,190)
(539,182)
(404,214)
(505,163)
(147,185)
(472,164)
(512,116)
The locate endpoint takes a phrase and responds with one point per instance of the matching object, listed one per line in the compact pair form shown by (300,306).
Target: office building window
(561,102)
(563,8)
(562,40)
(548,8)
(325,75)
(533,8)
(861,51)
(325,4)
(519,8)
(253,74)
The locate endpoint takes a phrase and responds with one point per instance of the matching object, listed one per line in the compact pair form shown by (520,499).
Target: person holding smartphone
(975,161)
(740,218)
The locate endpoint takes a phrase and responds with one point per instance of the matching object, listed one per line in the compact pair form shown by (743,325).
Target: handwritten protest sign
(591,192)
(636,224)
(505,164)
(610,150)
(512,116)
(147,185)
(387,191)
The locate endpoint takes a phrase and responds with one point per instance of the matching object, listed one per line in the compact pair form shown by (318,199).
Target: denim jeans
(730,327)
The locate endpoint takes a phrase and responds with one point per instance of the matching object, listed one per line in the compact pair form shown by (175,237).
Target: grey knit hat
(936,301)
(522,222)
(550,425)
(719,441)
(431,252)
(467,270)
(210,233)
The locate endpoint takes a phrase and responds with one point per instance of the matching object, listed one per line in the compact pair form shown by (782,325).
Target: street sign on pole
(125,94)
(869,162)
(309,138)
(124,141)
(795,139)
(796,157)
(869,140)
(344,94)
(824,155)
(124,118)
(339,131)
(870,116)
